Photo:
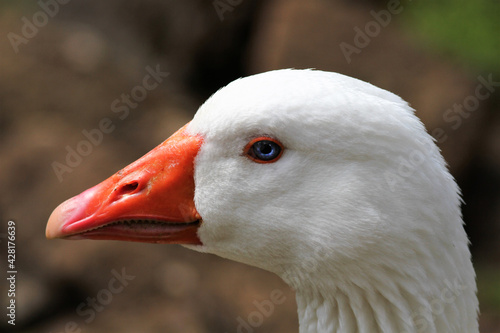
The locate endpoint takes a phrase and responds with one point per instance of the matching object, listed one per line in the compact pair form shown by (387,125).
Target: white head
(358,204)
(360,194)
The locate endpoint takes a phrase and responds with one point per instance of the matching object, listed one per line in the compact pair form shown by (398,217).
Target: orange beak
(151,200)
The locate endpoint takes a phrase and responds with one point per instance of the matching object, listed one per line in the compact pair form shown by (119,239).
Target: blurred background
(64,63)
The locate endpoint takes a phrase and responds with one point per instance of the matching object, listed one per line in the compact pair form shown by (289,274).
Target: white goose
(325,180)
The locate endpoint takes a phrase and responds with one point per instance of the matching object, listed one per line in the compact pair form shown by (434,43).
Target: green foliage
(468,30)
(488,284)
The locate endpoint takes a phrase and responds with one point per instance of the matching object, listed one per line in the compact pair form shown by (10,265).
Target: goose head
(325,180)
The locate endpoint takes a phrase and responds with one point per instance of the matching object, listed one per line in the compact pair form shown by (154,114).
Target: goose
(327,181)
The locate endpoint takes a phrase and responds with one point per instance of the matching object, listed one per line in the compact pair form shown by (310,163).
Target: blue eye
(264,150)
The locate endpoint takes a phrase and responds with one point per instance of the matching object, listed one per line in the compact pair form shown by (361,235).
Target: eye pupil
(266,150)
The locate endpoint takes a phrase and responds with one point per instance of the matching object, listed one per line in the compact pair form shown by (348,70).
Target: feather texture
(359,215)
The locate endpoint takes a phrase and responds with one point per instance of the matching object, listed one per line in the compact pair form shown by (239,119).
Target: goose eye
(264,150)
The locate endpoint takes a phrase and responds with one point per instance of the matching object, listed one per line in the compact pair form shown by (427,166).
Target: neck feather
(395,303)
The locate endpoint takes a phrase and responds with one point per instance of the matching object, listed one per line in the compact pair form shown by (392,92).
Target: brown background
(64,79)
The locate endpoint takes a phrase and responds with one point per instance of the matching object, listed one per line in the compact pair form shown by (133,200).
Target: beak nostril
(129,188)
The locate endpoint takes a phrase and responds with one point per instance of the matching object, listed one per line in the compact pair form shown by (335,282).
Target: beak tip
(63,214)
(54,224)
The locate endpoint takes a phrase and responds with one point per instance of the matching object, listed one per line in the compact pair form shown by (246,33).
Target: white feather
(359,215)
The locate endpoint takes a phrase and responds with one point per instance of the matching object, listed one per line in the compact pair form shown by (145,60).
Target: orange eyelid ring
(250,153)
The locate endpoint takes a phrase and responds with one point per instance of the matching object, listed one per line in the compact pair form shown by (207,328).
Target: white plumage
(360,215)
